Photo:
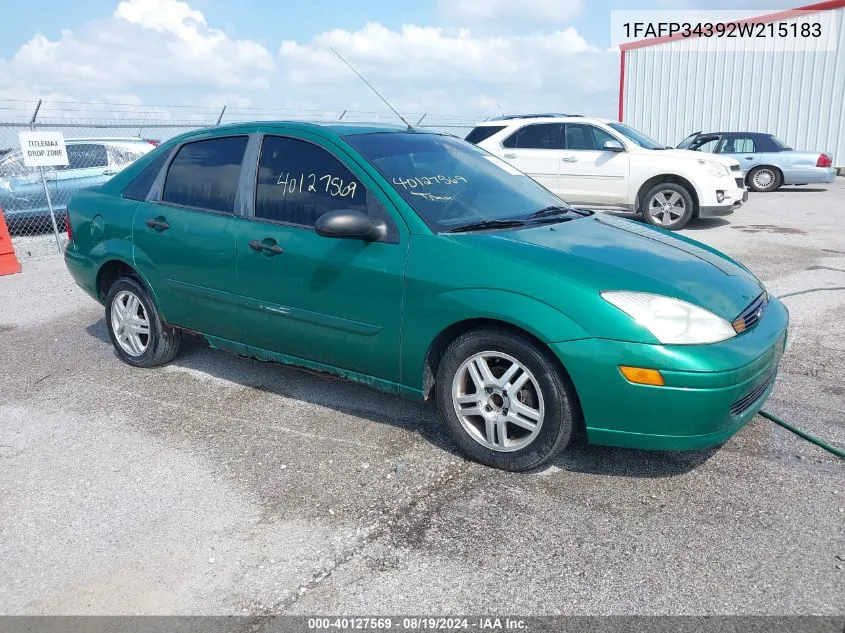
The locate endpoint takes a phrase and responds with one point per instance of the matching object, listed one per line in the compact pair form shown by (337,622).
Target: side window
(205,174)
(705,144)
(299,181)
(579,136)
(536,136)
(140,185)
(600,136)
(482,133)
(744,145)
(86,156)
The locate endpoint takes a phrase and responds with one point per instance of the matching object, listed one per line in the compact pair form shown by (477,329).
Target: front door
(742,148)
(184,237)
(589,174)
(337,302)
(535,149)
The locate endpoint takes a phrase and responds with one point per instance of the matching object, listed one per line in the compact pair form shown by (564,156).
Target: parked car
(91,161)
(768,161)
(419,264)
(597,163)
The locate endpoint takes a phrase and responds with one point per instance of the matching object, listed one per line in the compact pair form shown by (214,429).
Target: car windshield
(11,166)
(453,184)
(638,137)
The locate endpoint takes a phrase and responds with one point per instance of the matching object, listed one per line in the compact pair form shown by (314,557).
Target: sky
(445,57)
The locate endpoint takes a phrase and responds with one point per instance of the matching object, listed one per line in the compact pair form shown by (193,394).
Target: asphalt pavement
(222,485)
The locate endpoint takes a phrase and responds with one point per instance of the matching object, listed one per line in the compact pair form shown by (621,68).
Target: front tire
(764,179)
(668,205)
(139,335)
(504,399)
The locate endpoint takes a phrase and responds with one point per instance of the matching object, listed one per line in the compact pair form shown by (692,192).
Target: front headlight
(672,321)
(715,169)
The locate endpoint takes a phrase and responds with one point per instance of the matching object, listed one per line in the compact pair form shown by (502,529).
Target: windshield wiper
(547,211)
(487,224)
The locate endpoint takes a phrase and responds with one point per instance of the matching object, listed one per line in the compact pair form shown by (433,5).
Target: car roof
(746,133)
(330,129)
(107,139)
(537,118)
(338,127)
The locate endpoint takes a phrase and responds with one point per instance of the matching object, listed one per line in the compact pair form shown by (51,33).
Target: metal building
(672,87)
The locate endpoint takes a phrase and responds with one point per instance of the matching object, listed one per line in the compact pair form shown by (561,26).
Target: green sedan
(421,265)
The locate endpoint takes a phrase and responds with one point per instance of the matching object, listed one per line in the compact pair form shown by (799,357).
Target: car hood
(603,252)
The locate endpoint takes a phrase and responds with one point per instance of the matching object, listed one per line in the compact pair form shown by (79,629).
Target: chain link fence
(101,139)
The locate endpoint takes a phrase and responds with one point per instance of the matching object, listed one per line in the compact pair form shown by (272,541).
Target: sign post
(45,149)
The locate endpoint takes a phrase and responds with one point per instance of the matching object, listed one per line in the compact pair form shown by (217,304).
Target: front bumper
(711,391)
(723,196)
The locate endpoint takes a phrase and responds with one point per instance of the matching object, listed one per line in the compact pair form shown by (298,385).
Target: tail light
(153,141)
(824,161)
(69,230)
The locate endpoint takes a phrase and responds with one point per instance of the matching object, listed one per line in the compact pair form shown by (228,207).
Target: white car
(598,163)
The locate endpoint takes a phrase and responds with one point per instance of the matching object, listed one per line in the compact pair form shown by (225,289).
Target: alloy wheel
(130,323)
(667,207)
(498,401)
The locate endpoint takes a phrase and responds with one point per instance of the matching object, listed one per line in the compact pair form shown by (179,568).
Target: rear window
(205,174)
(122,155)
(140,186)
(483,132)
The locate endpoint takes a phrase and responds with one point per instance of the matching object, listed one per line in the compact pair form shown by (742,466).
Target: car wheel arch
(664,178)
(112,270)
(774,168)
(444,338)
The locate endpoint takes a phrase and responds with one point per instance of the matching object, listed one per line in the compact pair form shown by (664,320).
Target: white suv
(606,164)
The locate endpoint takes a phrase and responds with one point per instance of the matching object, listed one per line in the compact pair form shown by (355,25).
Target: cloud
(152,42)
(504,11)
(437,69)
(164,51)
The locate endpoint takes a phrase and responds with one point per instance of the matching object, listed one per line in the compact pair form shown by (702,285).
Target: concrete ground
(220,485)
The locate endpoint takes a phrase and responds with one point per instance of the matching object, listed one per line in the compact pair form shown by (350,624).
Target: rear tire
(136,330)
(517,410)
(667,205)
(764,179)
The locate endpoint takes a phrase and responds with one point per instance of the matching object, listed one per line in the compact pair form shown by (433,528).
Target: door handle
(273,248)
(569,159)
(749,158)
(159,224)
(510,155)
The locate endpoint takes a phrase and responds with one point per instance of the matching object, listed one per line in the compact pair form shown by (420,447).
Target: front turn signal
(642,376)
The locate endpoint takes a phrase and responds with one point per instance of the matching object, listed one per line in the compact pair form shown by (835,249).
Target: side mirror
(612,146)
(349,224)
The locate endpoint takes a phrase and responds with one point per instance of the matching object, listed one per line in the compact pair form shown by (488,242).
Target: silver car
(768,162)
(91,161)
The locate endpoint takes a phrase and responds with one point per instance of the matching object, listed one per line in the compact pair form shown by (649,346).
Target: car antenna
(500,109)
(361,77)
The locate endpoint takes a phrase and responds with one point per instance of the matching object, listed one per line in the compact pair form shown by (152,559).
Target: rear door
(184,236)
(590,174)
(536,150)
(333,301)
